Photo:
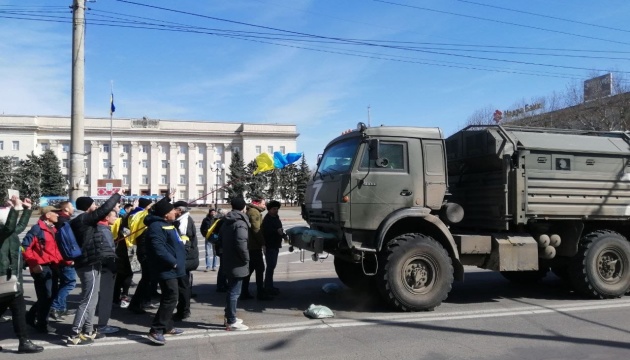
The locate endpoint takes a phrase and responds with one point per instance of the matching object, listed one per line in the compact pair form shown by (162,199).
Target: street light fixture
(217,167)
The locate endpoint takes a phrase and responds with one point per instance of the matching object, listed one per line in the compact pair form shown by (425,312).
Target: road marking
(217,331)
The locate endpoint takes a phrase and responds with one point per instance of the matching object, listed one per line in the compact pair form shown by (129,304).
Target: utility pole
(77,145)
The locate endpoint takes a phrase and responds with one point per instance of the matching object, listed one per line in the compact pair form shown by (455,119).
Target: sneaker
(214,269)
(236,327)
(157,338)
(95,335)
(107,329)
(238,321)
(124,303)
(79,340)
(56,315)
(174,332)
(206,270)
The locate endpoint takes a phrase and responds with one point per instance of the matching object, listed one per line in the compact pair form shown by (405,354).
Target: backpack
(67,243)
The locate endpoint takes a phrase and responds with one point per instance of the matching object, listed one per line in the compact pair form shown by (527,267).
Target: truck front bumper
(305,238)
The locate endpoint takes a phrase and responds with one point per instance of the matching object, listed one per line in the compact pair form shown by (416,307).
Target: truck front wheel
(601,267)
(352,275)
(416,273)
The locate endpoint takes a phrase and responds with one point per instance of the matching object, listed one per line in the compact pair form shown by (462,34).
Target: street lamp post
(217,168)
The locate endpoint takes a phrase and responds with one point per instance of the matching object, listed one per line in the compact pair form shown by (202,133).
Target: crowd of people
(163,238)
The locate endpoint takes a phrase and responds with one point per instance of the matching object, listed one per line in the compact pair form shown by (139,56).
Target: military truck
(403,210)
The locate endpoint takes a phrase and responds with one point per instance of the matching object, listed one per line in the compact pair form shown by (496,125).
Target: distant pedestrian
(67,274)
(11,265)
(108,273)
(274,233)
(206,223)
(235,261)
(167,256)
(255,245)
(88,265)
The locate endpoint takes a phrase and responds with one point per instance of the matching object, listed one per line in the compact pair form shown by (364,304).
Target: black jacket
(233,237)
(84,228)
(270,226)
(165,250)
(206,223)
(107,250)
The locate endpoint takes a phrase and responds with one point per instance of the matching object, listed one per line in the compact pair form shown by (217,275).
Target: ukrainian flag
(112,108)
(265,162)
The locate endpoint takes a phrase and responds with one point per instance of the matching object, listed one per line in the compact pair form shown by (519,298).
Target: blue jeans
(67,282)
(271,255)
(210,246)
(231,298)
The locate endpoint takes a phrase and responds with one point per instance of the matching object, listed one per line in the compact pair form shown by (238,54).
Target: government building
(148,155)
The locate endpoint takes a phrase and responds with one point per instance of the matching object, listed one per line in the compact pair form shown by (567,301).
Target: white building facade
(149,156)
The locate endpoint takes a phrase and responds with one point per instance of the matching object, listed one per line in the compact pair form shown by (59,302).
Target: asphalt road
(485,317)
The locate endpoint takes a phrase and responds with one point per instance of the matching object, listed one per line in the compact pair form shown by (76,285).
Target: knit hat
(238,203)
(180,204)
(84,203)
(161,208)
(46,209)
(273,204)
(144,202)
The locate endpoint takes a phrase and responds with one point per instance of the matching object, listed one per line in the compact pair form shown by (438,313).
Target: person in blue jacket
(167,256)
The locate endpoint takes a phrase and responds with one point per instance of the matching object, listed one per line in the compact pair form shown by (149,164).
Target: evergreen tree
(237,177)
(28,178)
(288,183)
(256,184)
(274,184)
(6,180)
(304,175)
(53,182)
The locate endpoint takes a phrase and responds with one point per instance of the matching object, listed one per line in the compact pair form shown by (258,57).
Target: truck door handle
(405,193)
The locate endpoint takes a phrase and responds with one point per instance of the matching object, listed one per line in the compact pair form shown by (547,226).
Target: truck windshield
(338,157)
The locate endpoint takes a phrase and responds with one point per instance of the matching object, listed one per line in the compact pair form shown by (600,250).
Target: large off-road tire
(352,275)
(526,277)
(416,273)
(601,268)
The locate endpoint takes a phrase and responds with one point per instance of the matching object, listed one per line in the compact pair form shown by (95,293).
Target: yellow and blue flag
(265,162)
(112,108)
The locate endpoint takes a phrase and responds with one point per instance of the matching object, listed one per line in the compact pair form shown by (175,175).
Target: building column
(134,169)
(210,178)
(227,160)
(154,168)
(191,172)
(96,164)
(173,164)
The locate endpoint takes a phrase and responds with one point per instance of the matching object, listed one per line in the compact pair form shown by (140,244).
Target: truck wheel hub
(419,274)
(610,266)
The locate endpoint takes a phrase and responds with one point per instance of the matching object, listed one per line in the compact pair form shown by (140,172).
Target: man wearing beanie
(274,233)
(233,236)
(255,244)
(88,266)
(167,256)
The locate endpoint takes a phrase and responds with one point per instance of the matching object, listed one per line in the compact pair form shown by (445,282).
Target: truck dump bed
(506,176)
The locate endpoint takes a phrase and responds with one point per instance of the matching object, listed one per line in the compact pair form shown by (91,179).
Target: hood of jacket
(234,216)
(254,206)
(76,214)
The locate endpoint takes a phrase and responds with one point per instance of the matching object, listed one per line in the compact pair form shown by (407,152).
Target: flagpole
(111,134)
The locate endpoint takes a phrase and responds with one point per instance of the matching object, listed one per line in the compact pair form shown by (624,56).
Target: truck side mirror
(319,159)
(374,147)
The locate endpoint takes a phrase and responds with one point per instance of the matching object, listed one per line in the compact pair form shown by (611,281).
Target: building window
(236,149)
(164,179)
(106,163)
(64,163)
(283,150)
(200,163)
(1,145)
(45,146)
(270,149)
(258,149)
(125,164)
(65,147)
(199,179)
(145,164)
(200,194)
(15,161)
(202,150)
(106,148)
(164,164)
(125,179)
(182,164)
(16,145)
(145,148)
(182,149)
(126,148)
(218,150)
(145,179)
(182,179)
(182,194)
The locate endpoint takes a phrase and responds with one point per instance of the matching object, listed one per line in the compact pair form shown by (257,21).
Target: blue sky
(194,76)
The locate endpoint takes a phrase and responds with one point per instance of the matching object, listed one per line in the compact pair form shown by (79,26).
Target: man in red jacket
(43,258)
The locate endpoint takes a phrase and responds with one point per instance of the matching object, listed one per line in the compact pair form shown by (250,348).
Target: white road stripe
(217,331)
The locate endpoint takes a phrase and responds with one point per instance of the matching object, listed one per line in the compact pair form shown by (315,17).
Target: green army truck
(403,210)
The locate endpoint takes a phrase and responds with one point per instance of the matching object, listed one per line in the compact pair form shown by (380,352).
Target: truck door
(380,189)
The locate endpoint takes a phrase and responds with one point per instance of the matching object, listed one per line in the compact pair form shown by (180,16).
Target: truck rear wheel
(352,275)
(416,273)
(601,268)
(526,277)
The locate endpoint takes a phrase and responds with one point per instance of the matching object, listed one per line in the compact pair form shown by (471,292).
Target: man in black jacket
(273,233)
(88,265)
(188,234)
(235,260)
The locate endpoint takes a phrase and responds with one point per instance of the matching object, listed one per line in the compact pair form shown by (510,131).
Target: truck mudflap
(305,238)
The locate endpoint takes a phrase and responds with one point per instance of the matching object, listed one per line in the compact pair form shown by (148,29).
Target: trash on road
(318,312)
